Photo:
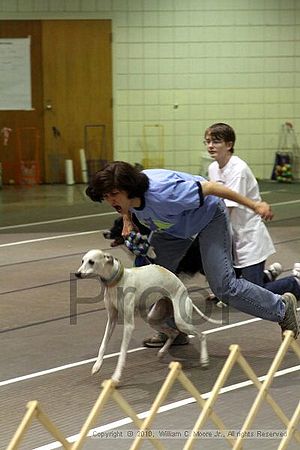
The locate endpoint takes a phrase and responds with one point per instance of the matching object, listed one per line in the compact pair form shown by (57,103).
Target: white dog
(153,291)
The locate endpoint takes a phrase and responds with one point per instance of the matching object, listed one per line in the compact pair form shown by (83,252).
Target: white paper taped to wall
(15,74)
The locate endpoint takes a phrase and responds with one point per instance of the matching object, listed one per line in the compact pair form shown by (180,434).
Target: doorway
(71,72)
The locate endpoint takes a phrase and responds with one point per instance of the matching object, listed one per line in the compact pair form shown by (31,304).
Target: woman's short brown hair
(118,175)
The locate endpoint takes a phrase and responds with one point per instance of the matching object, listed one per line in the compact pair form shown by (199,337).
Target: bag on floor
(282,170)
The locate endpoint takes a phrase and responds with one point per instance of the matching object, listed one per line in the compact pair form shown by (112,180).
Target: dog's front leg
(127,333)
(110,326)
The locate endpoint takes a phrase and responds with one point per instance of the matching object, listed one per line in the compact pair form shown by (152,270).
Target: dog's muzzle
(78,275)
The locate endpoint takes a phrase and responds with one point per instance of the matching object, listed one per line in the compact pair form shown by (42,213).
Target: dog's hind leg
(183,319)
(110,326)
(204,358)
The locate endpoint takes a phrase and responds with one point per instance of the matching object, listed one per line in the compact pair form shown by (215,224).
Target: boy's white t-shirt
(252,243)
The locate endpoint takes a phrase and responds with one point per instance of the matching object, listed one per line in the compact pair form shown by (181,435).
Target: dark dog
(191,263)
(115,233)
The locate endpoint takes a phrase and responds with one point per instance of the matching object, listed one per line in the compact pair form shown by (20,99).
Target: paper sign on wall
(15,74)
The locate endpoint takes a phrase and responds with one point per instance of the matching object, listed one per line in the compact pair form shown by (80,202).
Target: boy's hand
(264,210)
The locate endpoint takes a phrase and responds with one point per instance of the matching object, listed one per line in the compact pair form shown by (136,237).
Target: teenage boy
(252,243)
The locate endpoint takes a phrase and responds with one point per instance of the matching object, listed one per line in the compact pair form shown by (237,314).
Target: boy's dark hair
(221,132)
(118,175)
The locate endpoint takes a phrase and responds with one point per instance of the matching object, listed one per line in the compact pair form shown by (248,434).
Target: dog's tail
(218,322)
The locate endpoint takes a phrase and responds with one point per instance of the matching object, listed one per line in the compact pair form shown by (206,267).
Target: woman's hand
(128,225)
(264,210)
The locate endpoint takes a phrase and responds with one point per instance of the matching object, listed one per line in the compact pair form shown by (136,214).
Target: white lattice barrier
(234,357)
(34,410)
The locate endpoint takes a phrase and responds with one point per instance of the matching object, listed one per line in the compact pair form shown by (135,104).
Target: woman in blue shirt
(177,207)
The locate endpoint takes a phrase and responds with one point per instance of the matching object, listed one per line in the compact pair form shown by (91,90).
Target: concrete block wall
(185,64)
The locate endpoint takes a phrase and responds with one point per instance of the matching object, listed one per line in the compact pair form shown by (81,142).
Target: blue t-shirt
(174,203)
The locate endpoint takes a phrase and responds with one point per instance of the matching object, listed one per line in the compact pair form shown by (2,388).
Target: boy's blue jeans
(255,274)
(215,249)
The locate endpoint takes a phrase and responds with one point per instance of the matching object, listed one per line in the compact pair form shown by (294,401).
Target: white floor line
(63,236)
(233,325)
(59,368)
(291,202)
(67,219)
(168,407)
(49,238)
(112,355)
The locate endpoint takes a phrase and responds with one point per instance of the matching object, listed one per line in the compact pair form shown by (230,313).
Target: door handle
(48,106)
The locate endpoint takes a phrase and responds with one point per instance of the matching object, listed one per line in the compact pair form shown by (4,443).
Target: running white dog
(153,291)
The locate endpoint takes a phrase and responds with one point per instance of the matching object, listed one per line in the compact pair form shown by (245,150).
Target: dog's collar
(115,278)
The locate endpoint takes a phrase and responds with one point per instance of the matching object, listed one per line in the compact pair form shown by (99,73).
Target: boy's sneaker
(296,270)
(290,321)
(159,339)
(273,271)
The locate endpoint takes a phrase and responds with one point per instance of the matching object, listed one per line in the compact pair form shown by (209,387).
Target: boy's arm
(261,208)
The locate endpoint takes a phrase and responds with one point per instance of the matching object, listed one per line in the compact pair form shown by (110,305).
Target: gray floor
(44,231)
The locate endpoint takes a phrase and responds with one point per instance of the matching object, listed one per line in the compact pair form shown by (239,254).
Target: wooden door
(71,83)
(77,85)
(30,121)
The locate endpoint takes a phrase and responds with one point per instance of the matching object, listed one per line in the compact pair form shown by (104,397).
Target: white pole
(83,165)
(69,172)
